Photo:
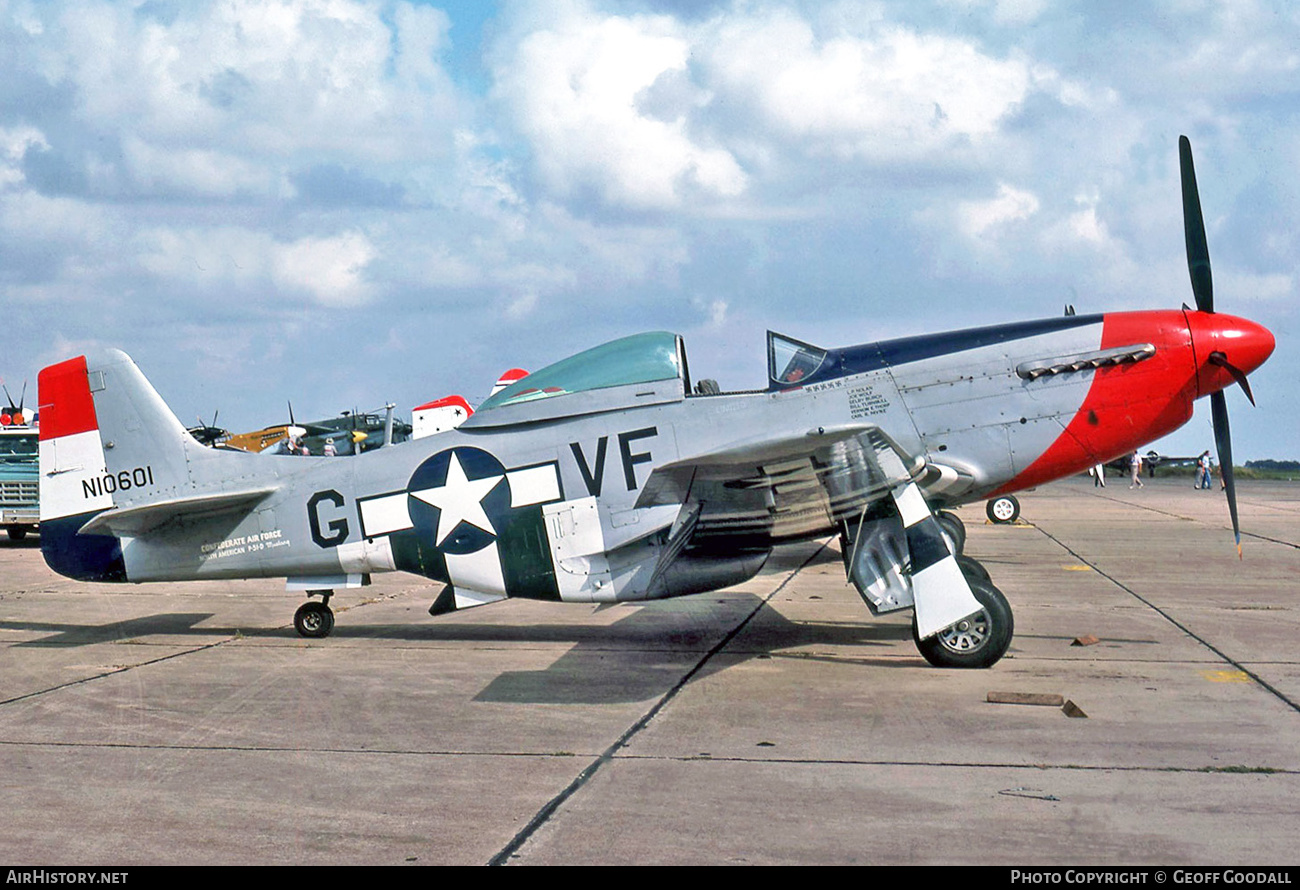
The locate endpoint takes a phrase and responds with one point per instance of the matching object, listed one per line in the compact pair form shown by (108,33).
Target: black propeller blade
(208,433)
(1221,360)
(1198,252)
(22,398)
(1198,266)
(16,411)
(1223,441)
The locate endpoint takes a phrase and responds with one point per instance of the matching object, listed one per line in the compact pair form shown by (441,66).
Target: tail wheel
(975,642)
(1003,509)
(313,620)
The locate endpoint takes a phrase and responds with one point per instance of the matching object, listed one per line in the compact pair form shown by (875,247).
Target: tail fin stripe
(67,407)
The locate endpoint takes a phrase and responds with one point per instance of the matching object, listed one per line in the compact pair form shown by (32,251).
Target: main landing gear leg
(905,557)
(313,619)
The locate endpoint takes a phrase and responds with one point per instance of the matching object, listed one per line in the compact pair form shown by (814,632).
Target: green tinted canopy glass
(641,358)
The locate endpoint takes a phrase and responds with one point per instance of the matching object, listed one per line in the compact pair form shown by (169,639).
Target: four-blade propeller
(1198,266)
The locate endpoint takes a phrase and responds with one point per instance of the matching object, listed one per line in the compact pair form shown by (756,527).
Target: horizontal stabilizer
(136,521)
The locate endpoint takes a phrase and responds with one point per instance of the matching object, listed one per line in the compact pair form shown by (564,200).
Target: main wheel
(975,642)
(1003,509)
(973,570)
(16,533)
(313,620)
(954,530)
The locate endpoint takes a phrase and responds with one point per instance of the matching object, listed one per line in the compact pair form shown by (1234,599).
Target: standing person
(1135,465)
(1099,476)
(330,450)
(1203,471)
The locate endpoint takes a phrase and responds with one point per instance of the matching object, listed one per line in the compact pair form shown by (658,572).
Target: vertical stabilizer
(107,442)
(72,473)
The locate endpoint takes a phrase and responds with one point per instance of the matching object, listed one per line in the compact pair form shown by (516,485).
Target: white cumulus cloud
(14,144)
(977,218)
(330,269)
(878,91)
(575,88)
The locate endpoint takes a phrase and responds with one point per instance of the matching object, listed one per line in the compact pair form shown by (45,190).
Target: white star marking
(459,499)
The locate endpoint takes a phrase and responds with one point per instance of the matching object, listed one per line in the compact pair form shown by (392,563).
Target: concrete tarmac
(775,722)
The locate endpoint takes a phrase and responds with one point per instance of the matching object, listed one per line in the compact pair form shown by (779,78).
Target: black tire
(977,642)
(1003,509)
(954,530)
(17,533)
(313,620)
(973,570)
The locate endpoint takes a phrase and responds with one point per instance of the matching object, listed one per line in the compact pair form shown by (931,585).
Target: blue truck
(20,510)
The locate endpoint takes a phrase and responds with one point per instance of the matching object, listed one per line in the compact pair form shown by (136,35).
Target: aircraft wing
(784,487)
(1156,458)
(854,477)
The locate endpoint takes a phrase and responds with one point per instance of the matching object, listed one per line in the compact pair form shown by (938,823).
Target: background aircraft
(352,432)
(439,416)
(450,412)
(209,433)
(17,415)
(1151,460)
(608,477)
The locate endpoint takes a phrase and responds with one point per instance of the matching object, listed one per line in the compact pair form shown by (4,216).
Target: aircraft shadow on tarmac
(67,634)
(638,657)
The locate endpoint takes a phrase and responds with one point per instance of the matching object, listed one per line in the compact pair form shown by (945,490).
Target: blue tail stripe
(82,557)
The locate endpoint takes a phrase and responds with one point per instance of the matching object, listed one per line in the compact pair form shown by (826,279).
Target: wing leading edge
(774,489)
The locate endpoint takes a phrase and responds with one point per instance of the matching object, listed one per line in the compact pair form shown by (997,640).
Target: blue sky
(343,202)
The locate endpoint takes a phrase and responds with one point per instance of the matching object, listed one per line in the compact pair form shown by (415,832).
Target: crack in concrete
(542,816)
(1174,621)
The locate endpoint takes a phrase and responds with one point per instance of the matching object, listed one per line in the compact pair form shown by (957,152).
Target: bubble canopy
(641,358)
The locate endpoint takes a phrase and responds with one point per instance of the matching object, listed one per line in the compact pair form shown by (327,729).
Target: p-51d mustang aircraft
(607,477)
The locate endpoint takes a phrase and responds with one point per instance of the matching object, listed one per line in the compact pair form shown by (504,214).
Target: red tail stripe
(66,404)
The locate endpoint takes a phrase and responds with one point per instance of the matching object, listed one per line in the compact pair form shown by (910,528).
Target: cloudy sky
(345,202)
